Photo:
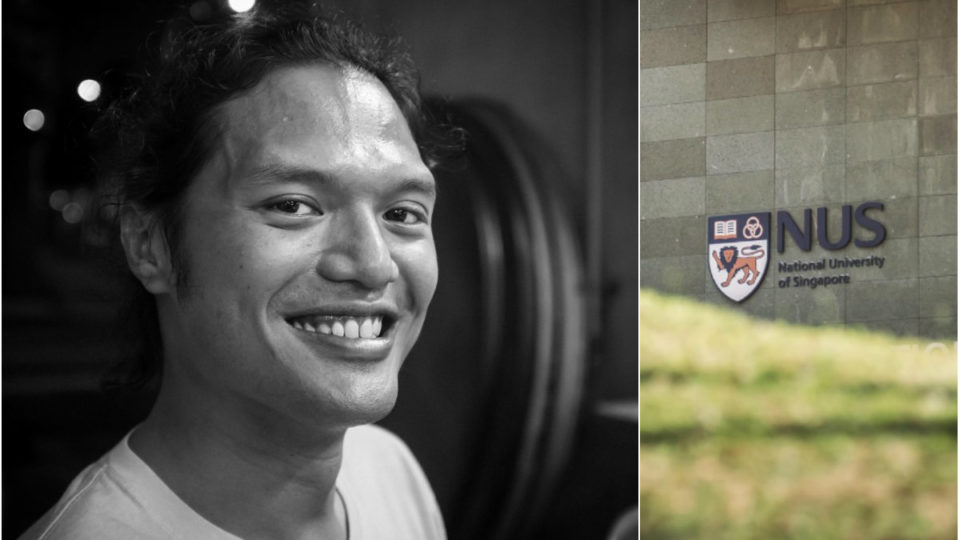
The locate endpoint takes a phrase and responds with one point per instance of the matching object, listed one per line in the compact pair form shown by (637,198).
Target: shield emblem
(738,252)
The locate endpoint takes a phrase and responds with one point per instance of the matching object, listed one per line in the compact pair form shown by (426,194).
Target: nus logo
(804,237)
(738,245)
(737,252)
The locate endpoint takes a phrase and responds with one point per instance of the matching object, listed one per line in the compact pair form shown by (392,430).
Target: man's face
(307,245)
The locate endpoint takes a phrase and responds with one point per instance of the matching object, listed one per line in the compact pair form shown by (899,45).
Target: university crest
(738,248)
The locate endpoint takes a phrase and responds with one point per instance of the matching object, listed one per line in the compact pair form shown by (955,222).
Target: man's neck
(246,473)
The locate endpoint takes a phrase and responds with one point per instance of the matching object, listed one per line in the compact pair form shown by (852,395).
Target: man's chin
(365,413)
(364,406)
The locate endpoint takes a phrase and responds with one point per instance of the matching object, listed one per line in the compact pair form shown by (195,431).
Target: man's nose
(356,251)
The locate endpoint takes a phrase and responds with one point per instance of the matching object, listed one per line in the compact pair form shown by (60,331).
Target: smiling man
(276,208)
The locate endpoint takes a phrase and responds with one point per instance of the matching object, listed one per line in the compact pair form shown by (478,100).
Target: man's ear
(148,254)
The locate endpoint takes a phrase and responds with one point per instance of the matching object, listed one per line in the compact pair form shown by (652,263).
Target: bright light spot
(72,212)
(33,119)
(241,5)
(59,199)
(89,90)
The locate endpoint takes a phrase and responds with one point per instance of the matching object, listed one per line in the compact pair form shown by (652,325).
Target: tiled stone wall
(755,105)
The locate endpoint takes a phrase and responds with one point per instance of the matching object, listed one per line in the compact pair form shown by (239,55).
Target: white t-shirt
(385,493)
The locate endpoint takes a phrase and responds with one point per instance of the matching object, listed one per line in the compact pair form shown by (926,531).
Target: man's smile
(341,326)
(347,331)
(348,320)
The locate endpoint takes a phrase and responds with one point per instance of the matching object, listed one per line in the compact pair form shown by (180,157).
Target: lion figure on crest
(733,261)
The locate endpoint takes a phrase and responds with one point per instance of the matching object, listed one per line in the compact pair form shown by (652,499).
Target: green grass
(752,429)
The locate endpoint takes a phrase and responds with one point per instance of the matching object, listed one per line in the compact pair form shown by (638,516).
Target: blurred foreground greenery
(756,429)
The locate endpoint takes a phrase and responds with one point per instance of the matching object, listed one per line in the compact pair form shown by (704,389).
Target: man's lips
(348,322)
(369,327)
(346,337)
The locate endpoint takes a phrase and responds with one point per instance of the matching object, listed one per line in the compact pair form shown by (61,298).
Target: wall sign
(738,247)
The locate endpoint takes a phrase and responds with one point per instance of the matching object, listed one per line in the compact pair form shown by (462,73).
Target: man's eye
(293,207)
(403,216)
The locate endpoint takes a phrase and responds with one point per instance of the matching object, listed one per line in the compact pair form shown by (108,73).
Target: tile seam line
(704,287)
(788,14)
(776,187)
(844,21)
(917,132)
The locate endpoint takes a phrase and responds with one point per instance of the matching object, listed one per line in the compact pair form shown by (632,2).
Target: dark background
(563,70)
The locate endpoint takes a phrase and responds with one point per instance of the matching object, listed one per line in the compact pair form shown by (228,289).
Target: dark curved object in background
(509,316)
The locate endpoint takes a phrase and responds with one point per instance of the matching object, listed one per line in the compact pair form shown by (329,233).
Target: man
(276,206)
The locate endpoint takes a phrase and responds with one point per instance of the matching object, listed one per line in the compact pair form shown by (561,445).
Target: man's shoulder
(94,506)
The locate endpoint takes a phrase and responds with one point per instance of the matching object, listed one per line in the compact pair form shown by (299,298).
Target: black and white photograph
(321,269)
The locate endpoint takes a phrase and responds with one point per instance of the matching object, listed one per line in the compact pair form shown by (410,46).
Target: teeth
(351,329)
(366,329)
(348,327)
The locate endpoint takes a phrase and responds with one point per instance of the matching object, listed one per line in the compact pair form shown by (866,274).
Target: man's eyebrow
(272,172)
(425,186)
